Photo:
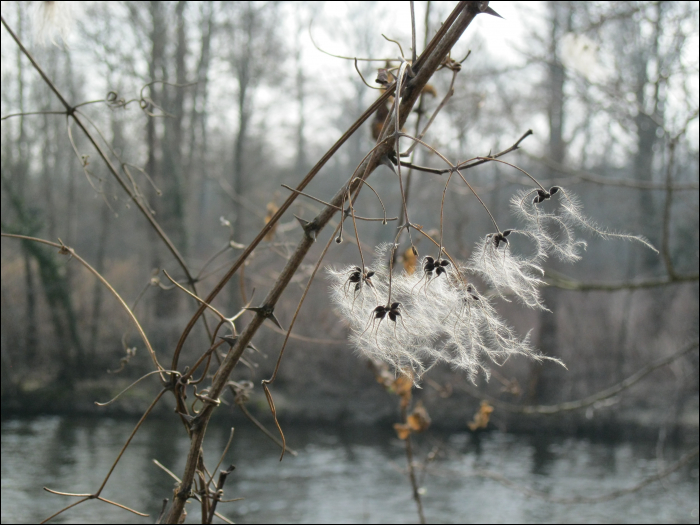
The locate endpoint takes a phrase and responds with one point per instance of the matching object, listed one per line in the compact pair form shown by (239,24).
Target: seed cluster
(414,320)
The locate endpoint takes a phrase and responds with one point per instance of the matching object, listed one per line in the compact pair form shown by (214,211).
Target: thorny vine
(405,322)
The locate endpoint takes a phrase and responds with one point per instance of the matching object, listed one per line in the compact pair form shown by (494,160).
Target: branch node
(185,493)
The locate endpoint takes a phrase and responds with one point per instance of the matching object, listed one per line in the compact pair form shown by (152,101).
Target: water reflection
(340,475)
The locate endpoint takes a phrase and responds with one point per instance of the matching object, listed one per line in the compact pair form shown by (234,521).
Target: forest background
(245,102)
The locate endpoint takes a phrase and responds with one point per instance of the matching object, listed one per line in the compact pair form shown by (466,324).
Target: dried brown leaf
(271,210)
(418,420)
(403,431)
(481,418)
(410,259)
(429,89)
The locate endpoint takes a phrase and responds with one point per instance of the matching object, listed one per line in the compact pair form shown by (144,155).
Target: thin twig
(471,163)
(96,495)
(27,113)
(443,102)
(264,430)
(67,250)
(223,454)
(412,471)
(612,181)
(311,36)
(131,436)
(413,34)
(453,167)
(668,201)
(363,78)
(71,112)
(133,384)
(586,401)
(272,378)
(559,280)
(100,498)
(393,42)
(339,208)
(64,508)
(164,468)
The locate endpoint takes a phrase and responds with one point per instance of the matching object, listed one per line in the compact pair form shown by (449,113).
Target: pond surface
(340,475)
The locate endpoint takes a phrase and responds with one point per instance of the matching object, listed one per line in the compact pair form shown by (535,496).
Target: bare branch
(609,181)
(559,280)
(424,68)
(587,401)
(70,251)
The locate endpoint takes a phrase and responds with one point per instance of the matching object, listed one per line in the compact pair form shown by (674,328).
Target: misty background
(245,102)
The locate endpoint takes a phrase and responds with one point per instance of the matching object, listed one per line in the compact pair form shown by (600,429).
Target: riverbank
(616,420)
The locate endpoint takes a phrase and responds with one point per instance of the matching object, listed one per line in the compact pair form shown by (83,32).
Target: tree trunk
(556,78)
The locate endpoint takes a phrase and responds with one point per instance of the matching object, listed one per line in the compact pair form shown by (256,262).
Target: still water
(340,475)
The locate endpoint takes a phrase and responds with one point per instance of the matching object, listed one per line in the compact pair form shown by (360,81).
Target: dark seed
(554,189)
(394,306)
(541,196)
(369,274)
(507,233)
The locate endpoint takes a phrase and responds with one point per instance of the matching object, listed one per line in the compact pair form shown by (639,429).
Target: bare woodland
(440,231)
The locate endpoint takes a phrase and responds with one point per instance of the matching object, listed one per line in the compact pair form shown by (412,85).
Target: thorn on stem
(310,227)
(267,312)
(230,339)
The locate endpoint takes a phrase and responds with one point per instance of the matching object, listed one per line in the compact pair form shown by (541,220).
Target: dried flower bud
(382,77)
